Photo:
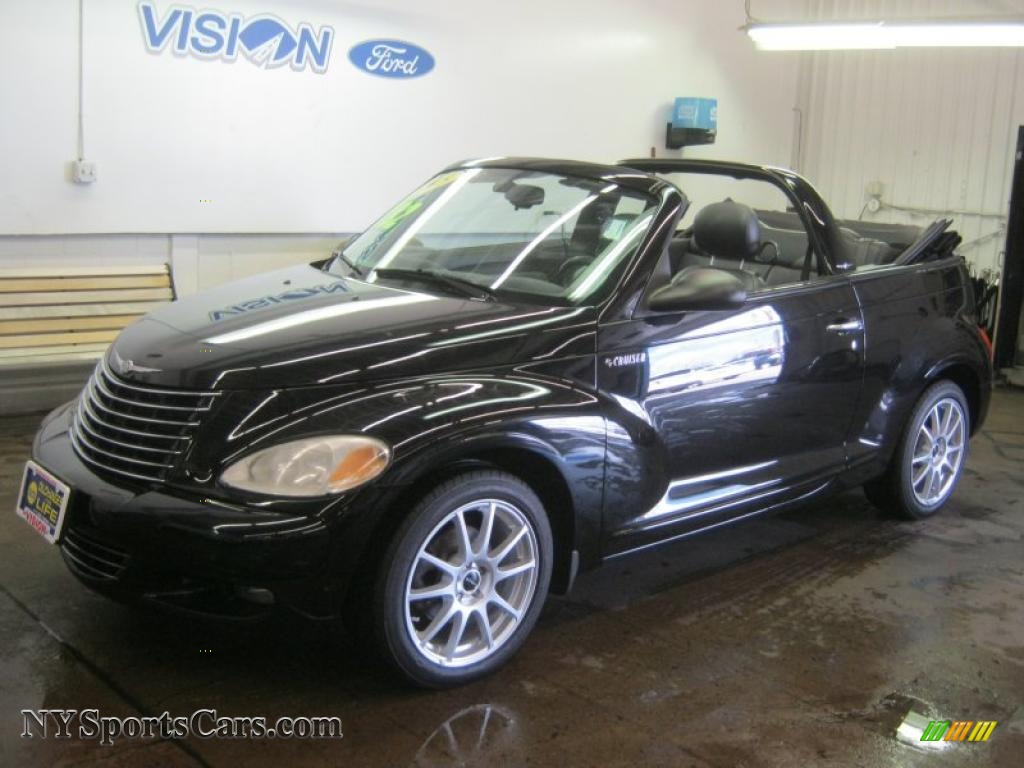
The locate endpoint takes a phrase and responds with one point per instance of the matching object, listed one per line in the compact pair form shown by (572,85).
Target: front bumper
(200,555)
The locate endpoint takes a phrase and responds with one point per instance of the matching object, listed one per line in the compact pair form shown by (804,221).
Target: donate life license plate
(42,502)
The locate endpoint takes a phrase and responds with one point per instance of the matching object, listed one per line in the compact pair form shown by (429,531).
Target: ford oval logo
(391,58)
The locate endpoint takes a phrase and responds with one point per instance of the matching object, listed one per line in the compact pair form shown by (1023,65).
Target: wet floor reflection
(479,735)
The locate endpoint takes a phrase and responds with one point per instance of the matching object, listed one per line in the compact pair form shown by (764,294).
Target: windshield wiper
(458,284)
(348,263)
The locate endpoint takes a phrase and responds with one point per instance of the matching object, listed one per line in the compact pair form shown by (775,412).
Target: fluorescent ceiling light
(885,35)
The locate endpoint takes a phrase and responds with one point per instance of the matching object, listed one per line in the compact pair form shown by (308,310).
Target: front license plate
(42,501)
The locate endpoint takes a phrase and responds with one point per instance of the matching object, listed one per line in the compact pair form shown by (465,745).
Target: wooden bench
(65,317)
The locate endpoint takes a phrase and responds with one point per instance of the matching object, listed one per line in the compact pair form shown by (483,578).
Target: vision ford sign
(391,58)
(265,40)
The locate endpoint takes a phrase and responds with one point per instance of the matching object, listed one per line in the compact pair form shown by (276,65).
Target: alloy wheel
(471,582)
(938,452)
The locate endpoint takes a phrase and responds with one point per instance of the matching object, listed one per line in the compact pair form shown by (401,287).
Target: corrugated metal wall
(937,127)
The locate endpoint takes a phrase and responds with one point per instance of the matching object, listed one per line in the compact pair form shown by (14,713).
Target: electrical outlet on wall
(83,171)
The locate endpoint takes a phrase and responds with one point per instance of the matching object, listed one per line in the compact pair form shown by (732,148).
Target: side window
(741,225)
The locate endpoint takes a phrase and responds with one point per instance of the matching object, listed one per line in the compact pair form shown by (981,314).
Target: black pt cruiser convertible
(525,368)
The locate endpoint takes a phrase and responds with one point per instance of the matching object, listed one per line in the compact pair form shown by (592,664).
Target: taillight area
(986,341)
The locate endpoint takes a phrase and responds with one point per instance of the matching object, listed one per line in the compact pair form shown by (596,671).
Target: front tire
(463,580)
(926,467)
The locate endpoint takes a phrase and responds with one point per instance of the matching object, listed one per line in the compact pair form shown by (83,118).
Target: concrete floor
(797,640)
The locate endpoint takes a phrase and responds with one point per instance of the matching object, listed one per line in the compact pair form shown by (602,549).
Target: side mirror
(700,289)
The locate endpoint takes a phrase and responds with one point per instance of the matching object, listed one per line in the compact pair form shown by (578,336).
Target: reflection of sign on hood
(265,40)
(262,302)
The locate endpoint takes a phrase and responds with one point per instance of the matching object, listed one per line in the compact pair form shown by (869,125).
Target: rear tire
(463,580)
(929,458)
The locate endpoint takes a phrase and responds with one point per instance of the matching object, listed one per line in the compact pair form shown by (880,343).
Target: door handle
(845,326)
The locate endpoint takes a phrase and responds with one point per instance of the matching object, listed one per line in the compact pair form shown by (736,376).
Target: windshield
(505,233)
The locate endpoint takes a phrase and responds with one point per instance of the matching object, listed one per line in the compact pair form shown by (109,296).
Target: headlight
(316,466)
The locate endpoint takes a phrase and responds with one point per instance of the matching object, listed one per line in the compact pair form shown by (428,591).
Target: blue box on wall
(693,112)
(694,121)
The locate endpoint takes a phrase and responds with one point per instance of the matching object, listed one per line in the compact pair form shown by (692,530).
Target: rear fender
(929,361)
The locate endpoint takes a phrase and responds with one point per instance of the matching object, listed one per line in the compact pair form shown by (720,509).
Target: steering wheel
(568,269)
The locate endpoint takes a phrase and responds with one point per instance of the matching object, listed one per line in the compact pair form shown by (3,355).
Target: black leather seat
(725,235)
(784,258)
(867,251)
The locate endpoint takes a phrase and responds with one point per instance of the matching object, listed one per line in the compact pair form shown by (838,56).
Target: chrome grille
(134,430)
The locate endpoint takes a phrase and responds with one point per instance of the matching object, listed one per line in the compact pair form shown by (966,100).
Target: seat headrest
(728,230)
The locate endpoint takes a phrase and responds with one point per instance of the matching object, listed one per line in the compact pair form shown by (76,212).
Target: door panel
(718,414)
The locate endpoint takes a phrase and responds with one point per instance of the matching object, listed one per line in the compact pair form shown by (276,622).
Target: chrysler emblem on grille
(125,366)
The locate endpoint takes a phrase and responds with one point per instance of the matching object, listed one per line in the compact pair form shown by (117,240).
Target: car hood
(303,326)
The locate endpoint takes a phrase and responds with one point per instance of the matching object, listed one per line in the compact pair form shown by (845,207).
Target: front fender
(430,424)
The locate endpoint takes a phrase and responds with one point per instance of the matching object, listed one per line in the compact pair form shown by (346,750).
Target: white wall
(937,127)
(298,152)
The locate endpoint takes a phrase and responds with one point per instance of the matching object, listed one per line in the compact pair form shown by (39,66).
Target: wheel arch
(969,382)
(524,457)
